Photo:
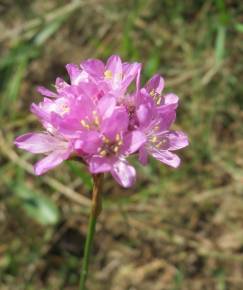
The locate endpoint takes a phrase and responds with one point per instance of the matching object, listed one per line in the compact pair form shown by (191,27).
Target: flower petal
(99,164)
(51,161)
(39,143)
(94,67)
(166,157)
(117,123)
(114,67)
(45,92)
(106,106)
(130,71)
(74,73)
(167,119)
(114,64)
(87,90)
(124,173)
(156,83)
(39,111)
(171,99)
(61,85)
(89,142)
(176,140)
(133,141)
(144,114)
(143,155)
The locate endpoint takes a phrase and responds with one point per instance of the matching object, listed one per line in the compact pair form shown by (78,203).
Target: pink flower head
(95,118)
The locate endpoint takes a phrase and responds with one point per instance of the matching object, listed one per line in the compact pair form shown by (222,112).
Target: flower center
(158,142)
(110,147)
(91,124)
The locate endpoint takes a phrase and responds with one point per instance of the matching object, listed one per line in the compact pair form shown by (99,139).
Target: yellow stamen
(105,140)
(108,74)
(154,139)
(84,124)
(116,148)
(102,153)
(118,137)
(158,100)
(160,144)
(96,121)
(152,93)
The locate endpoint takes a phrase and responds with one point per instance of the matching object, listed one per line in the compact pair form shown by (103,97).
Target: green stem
(95,211)
(87,251)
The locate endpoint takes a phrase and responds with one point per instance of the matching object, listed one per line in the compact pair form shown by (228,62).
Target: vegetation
(176,229)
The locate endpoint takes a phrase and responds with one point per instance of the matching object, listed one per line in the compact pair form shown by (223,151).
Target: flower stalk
(94,213)
(96,119)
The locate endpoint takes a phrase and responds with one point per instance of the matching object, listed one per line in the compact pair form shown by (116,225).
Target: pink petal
(133,141)
(45,92)
(94,67)
(88,90)
(83,107)
(106,106)
(43,109)
(99,164)
(138,78)
(167,119)
(74,72)
(130,72)
(68,127)
(89,142)
(176,140)
(114,65)
(143,156)
(168,102)
(61,85)
(124,173)
(51,161)
(156,83)
(143,114)
(44,116)
(38,111)
(117,123)
(166,157)
(171,99)
(76,75)
(39,143)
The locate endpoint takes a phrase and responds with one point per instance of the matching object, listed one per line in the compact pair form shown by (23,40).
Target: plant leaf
(37,206)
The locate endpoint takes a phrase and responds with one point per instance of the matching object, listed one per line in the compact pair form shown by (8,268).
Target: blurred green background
(176,229)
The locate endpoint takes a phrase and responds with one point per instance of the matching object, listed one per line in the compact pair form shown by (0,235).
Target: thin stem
(94,213)
(87,251)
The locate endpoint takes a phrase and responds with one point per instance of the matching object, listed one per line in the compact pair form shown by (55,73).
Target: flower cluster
(95,118)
